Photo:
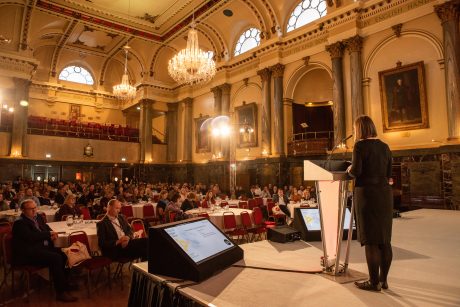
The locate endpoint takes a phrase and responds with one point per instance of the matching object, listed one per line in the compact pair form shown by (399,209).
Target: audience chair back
(243,205)
(85,212)
(204,214)
(229,221)
(64,217)
(79,236)
(172,216)
(246,219)
(137,225)
(251,203)
(204,204)
(259,201)
(127,211)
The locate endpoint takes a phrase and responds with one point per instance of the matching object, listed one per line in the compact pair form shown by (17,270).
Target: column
(19,130)
(266,115)
(354,46)
(145,130)
(225,101)
(449,15)
(336,52)
(278,114)
(225,98)
(215,142)
(171,132)
(287,109)
(188,122)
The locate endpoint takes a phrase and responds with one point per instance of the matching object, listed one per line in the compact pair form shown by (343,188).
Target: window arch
(248,40)
(76,74)
(305,12)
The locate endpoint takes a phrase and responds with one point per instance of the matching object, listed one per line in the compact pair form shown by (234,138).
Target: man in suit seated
(116,238)
(32,244)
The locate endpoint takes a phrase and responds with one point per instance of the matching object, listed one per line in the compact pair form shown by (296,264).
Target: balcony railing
(310,143)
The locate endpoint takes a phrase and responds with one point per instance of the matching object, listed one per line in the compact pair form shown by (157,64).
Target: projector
(283,234)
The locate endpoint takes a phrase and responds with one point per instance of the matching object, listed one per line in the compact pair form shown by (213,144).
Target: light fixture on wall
(192,65)
(4,40)
(124,90)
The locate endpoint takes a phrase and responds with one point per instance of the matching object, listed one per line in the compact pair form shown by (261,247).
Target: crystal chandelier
(124,90)
(192,65)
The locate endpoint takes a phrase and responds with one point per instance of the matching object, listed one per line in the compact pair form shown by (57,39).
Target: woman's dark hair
(175,197)
(365,128)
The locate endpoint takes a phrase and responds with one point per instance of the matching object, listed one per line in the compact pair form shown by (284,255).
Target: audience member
(68,208)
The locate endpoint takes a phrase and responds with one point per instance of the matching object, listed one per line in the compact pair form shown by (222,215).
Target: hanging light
(124,90)
(192,65)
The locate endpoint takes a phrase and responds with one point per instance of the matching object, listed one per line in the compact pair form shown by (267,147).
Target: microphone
(342,141)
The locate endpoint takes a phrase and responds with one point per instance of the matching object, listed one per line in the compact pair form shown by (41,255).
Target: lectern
(331,188)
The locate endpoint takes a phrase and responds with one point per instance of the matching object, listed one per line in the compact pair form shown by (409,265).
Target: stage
(425,272)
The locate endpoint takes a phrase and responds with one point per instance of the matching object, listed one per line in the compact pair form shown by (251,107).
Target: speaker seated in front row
(308,222)
(192,249)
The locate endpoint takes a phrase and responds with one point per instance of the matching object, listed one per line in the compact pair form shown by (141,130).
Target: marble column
(448,12)
(266,115)
(336,52)
(278,114)
(145,131)
(354,45)
(19,130)
(171,132)
(188,123)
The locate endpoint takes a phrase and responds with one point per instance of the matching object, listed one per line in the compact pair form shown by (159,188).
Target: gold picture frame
(246,119)
(202,134)
(403,97)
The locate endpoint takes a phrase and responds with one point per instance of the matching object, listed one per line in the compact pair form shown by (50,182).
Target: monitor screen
(199,239)
(312,220)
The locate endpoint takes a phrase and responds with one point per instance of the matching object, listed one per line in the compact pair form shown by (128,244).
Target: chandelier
(192,65)
(124,90)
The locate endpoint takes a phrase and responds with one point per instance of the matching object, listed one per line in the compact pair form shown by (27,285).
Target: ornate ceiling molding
(60,45)
(109,57)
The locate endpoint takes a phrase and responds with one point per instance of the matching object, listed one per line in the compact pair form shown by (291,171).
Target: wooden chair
(93,264)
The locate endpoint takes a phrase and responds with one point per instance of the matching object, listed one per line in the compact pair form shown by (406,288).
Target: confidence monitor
(308,222)
(193,249)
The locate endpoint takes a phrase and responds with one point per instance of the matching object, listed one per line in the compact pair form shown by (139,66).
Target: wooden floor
(42,294)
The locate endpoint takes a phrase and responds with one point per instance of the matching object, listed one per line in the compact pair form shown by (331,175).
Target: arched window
(306,12)
(248,40)
(76,74)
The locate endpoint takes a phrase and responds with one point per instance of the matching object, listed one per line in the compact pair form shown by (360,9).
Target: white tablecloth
(217,217)
(11,215)
(138,209)
(88,226)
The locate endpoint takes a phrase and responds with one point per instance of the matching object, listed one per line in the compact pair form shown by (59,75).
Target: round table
(13,215)
(138,209)
(217,216)
(88,226)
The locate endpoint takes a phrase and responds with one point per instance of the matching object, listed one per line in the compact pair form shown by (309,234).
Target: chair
(231,228)
(5,228)
(85,212)
(247,223)
(259,201)
(251,203)
(243,205)
(172,216)
(149,214)
(90,265)
(138,224)
(275,217)
(260,226)
(233,206)
(204,204)
(28,270)
(127,211)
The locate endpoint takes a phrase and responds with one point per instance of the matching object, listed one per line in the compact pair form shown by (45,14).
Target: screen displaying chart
(200,239)
(313,222)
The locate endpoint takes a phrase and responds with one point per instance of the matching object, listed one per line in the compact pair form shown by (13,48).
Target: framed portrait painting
(403,97)
(202,134)
(246,119)
(74,113)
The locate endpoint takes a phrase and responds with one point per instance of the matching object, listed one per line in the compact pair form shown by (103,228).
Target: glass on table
(69,220)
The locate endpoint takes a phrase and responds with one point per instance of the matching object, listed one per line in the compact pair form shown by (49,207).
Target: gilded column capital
(448,11)
(354,44)
(216,91)
(264,74)
(225,88)
(277,70)
(335,50)
(187,102)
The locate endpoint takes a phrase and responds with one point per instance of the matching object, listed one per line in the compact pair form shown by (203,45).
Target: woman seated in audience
(3,204)
(295,197)
(306,194)
(265,193)
(210,197)
(68,208)
(174,207)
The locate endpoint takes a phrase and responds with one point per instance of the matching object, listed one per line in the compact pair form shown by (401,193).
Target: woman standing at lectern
(371,168)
